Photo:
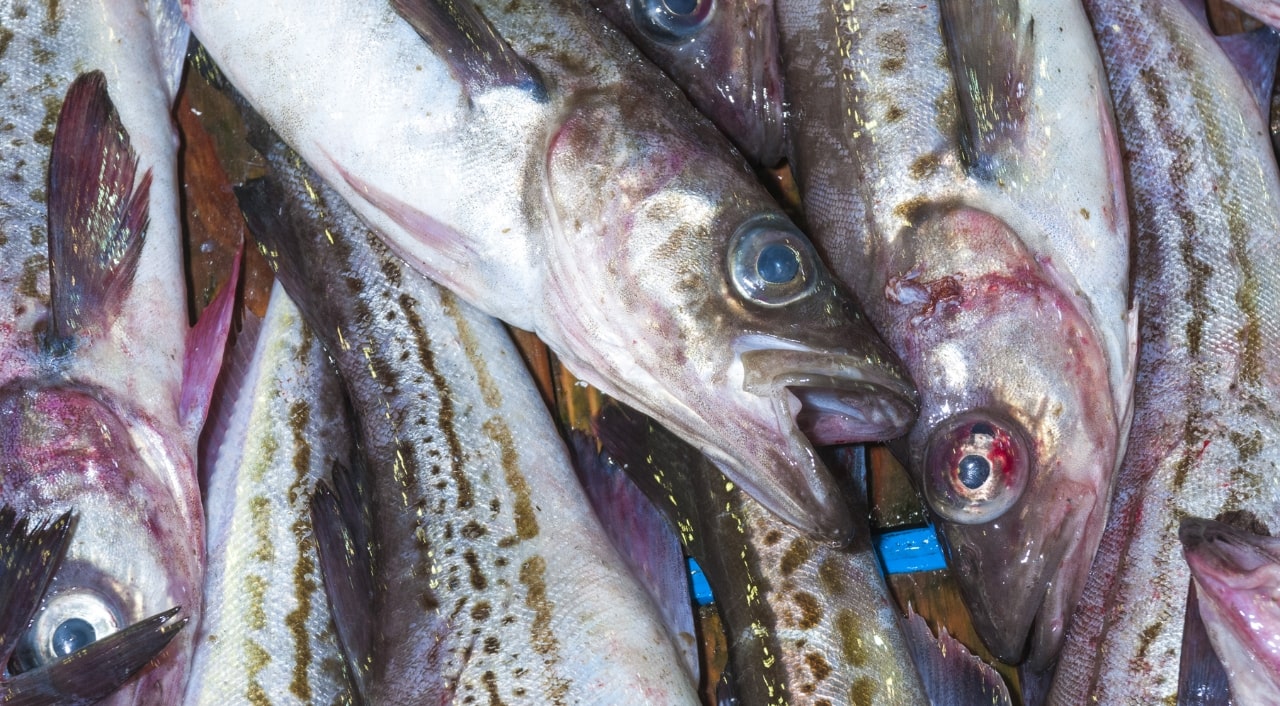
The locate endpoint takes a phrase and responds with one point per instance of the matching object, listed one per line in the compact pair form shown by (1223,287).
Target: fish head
(723,55)
(1237,576)
(686,280)
(132,554)
(1016,441)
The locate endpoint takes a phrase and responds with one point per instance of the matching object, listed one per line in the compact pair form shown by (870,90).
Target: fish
(491,578)
(645,255)
(1237,578)
(807,623)
(1206,213)
(103,384)
(279,425)
(723,55)
(31,549)
(966,186)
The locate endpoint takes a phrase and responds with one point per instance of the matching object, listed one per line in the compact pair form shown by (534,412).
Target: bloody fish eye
(770,263)
(68,622)
(672,20)
(975,468)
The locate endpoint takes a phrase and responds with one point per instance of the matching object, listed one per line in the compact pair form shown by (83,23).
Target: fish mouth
(1222,554)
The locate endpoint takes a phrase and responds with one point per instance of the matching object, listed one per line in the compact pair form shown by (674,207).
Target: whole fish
(583,201)
(492,578)
(102,388)
(806,623)
(965,184)
(1237,574)
(280,424)
(1206,205)
(723,55)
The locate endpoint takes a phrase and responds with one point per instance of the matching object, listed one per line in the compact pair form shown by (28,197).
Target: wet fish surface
(279,425)
(960,172)
(492,579)
(102,387)
(645,255)
(1206,205)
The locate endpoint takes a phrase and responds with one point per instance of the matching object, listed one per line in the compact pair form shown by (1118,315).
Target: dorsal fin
(991,55)
(476,54)
(97,216)
(952,675)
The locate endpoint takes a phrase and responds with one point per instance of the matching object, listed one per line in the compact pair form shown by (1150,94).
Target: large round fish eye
(771,263)
(69,621)
(975,468)
(672,20)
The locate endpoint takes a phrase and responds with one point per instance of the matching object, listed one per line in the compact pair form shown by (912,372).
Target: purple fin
(29,556)
(952,675)
(227,389)
(477,56)
(1254,55)
(991,57)
(97,217)
(1202,680)
(342,522)
(206,346)
(94,672)
(644,538)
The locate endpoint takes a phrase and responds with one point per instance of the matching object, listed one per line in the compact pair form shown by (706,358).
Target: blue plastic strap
(905,551)
(699,585)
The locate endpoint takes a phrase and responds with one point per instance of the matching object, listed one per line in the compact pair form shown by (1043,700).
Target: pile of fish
(1035,250)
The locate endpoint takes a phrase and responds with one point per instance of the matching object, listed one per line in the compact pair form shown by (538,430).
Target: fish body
(102,387)
(723,55)
(966,186)
(280,426)
(492,578)
(1237,576)
(807,623)
(634,252)
(1206,205)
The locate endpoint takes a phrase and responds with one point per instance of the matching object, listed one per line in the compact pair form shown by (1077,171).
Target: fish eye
(975,468)
(68,622)
(771,263)
(672,20)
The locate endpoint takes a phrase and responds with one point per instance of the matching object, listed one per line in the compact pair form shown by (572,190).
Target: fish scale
(267,636)
(497,582)
(1206,201)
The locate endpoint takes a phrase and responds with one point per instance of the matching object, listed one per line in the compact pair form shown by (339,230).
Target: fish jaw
(67,449)
(1237,577)
(1019,391)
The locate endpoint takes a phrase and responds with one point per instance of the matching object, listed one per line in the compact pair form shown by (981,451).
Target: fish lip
(1225,556)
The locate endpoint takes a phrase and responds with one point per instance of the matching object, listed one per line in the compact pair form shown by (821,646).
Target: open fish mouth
(834,398)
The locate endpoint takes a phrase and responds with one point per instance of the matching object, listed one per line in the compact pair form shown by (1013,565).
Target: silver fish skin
(1206,205)
(982,223)
(633,252)
(723,55)
(99,413)
(1237,575)
(280,424)
(496,581)
(807,623)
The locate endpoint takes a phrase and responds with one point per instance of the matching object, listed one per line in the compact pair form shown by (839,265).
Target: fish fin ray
(237,365)
(97,216)
(991,56)
(29,556)
(476,54)
(1202,678)
(952,675)
(205,352)
(646,540)
(173,36)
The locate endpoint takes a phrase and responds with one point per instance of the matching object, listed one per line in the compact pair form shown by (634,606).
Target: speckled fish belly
(279,424)
(102,388)
(585,201)
(807,623)
(1206,204)
(960,172)
(494,580)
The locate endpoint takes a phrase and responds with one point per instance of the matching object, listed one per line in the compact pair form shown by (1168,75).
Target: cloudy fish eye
(672,20)
(771,263)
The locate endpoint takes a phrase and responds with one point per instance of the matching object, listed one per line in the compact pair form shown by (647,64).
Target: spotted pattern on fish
(1206,204)
(480,527)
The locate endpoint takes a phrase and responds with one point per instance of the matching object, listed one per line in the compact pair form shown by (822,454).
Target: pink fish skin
(1237,574)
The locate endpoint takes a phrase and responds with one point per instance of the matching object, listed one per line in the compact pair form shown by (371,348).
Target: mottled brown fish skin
(1206,205)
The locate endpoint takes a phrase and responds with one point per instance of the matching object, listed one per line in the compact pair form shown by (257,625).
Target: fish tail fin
(97,214)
